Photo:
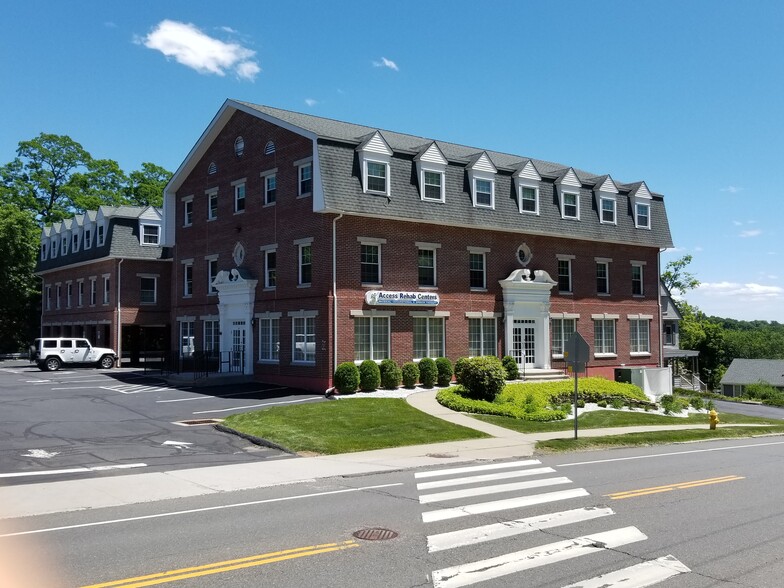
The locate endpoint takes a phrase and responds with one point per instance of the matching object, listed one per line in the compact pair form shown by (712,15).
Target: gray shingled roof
(752,371)
(343,187)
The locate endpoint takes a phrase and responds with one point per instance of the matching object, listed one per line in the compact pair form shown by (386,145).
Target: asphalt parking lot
(93,422)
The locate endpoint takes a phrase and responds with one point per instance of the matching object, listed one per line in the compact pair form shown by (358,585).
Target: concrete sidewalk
(98,492)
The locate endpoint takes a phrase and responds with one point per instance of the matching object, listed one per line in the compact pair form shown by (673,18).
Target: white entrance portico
(527,317)
(236,291)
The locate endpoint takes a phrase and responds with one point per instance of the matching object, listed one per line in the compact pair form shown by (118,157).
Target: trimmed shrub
(455,399)
(410,374)
(346,378)
(602,404)
(444,367)
(459,365)
(428,372)
(390,374)
(696,402)
(369,376)
(617,403)
(483,378)
(510,365)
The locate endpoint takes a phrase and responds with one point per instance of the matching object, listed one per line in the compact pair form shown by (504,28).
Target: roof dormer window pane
(528,199)
(376,177)
(570,205)
(433,182)
(643,212)
(150,234)
(484,192)
(608,210)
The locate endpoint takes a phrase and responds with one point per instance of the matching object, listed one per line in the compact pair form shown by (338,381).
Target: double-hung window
(371,338)
(100,235)
(602,277)
(93,291)
(187,211)
(562,328)
(270,266)
(642,215)
(57,294)
(604,336)
(270,180)
(426,264)
(483,192)
(211,336)
(565,273)
(148,289)
(639,336)
(428,337)
(637,283)
(305,173)
(212,273)
(304,261)
(106,289)
(433,185)
(187,279)
(571,205)
(68,294)
(87,241)
(608,210)
(482,338)
(65,245)
(48,298)
(150,234)
(81,292)
(187,340)
(239,196)
(529,199)
(376,176)
(212,204)
(477,268)
(75,245)
(269,338)
(303,338)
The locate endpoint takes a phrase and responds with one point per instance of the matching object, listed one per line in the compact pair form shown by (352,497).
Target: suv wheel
(52,364)
(106,362)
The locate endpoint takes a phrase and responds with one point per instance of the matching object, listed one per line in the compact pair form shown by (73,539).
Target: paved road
(57,425)
(759,410)
(692,516)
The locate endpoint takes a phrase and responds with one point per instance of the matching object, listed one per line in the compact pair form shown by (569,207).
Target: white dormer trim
(482,170)
(641,202)
(607,192)
(431,160)
(375,150)
(527,176)
(569,184)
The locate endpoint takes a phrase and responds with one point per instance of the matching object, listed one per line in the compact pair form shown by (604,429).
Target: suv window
(50,344)
(82,343)
(67,343)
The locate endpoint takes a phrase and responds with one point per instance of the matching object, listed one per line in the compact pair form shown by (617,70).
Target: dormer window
(481,173)
(54,248)
(571,205)
(529,199)
(100,235)
(75,245)
(527,179)
(65,245)
(642,216)
(374,157)
(607,210)
(431,170)
(87,236)
(150,234)
(44,250)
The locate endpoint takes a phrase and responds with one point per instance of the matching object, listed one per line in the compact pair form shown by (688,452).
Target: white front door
(238,338)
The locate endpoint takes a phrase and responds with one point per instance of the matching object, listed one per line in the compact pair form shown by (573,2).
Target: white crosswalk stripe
(136,388)
(482,481)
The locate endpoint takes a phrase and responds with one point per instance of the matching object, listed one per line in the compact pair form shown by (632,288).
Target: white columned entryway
(527,317)
(236,292)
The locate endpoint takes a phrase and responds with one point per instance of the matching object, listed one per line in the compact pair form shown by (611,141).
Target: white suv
(51,353)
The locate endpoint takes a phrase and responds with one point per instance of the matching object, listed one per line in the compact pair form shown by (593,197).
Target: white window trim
(264,175)
(641,265)
(155,277)
(365,177)
(210,194)
(533,187)
(640,317)
(603,199)
(57,294)
(607,317)
(606,261)
(75,239)
(210,278)
(187,263)
(267,316)
(300,243)
(237,184)
(378,243)
(80,292)
(569,259)
(430,314)
(563,316)
(107,291)
(433,170)
(93,290)
(434,247)
(68,293)
(576,195)
(185,202)
(487,178)
(372,337)
(636,215)
(265,249)
(301,314)
(158,235)
(299,164)
(483,251)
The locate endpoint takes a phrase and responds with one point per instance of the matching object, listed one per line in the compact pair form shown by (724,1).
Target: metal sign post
(576,354)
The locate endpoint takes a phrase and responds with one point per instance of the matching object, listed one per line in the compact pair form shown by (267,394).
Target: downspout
(335,293)
(119,312)
(658,299)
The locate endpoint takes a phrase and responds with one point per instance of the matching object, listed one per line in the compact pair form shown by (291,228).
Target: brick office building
(301,242)
(106,276)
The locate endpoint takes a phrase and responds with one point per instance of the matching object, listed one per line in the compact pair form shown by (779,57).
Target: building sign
(383,298)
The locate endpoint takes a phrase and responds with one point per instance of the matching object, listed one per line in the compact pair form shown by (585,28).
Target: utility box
(655,382)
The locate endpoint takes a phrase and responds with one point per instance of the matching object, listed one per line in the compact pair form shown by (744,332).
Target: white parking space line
(481,468)
(79,388)
(484,478)
(497,489)
(207,397)
(496,567)
(473,535)
(78,470)
(638,576)
(258,405)
(498,505)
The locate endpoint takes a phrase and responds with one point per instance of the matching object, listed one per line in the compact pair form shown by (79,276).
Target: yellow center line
(225,566)
(670,487)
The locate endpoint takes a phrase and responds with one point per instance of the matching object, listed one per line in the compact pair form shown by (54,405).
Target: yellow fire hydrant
(714,418)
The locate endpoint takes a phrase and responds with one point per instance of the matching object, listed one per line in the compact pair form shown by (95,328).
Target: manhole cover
(195,422)
(375,534)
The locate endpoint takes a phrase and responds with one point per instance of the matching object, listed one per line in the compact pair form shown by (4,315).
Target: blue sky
(688,96)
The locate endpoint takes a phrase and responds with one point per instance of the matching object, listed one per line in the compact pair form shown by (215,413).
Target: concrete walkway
(98,492)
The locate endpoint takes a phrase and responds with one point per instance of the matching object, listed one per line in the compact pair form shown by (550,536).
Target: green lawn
(600,419)
(345,426)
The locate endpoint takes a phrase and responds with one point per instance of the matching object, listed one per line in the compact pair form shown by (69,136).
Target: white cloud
(732,189)
(191,47)
(310,102)
(749,292)
(750,233)
(110,25)
(386,63)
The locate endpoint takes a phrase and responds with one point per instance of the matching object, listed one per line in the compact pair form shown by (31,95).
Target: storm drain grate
(375,534)
(197,422)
